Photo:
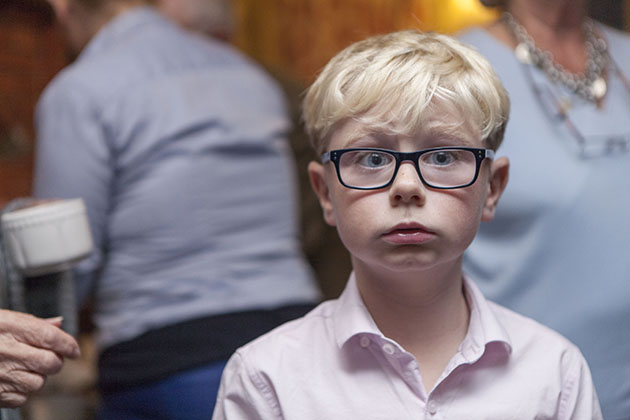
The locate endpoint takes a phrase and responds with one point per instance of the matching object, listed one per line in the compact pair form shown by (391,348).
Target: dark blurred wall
(31,53)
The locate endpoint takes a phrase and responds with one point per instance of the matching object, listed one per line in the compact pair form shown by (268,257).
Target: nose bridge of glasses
(404,160)
(411,157)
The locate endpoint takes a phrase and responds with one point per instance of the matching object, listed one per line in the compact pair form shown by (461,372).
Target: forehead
(439,125)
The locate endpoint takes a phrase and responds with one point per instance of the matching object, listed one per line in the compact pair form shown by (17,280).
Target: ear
(497,182)
(318,182)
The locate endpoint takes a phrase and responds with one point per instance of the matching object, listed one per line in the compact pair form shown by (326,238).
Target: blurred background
(292,39)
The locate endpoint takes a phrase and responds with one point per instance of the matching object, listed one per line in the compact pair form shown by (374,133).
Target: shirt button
(432,407)
(364,342)
(388,348)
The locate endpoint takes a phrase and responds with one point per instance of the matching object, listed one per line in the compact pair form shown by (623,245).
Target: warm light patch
(296,38)
(453,15)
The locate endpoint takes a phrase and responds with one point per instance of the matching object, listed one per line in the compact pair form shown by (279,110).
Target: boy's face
(408,226)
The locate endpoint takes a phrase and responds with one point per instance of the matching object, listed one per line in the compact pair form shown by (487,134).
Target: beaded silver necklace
(590,85)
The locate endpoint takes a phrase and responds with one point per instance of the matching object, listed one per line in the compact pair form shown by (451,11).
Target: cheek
(462,217)
(355,217)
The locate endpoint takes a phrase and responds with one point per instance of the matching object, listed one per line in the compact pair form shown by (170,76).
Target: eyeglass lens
(439,168)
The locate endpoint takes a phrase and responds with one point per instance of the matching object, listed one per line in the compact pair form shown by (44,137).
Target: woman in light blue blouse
(557,249)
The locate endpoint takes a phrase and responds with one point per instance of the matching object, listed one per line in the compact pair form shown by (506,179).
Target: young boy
(407,125)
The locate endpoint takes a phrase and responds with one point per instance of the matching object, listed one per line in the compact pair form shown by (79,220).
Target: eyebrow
(450,133)
(369,136)
(431,138)
(450,139)
(434,134)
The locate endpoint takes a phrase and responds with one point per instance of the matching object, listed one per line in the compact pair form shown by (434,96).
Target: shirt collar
(351,318)
(484,327)
(118,29)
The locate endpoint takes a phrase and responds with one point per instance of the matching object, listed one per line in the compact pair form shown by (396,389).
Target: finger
(21,382)
(38,333)
(12,399)
(56,321)
(19,356)
(15,386)
(45,362)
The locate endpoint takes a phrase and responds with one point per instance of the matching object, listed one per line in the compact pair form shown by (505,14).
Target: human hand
(30,349)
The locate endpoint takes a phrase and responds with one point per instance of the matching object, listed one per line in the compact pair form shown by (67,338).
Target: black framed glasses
(440,167)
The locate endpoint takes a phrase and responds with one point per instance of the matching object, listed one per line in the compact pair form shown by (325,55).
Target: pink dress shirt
(334,363)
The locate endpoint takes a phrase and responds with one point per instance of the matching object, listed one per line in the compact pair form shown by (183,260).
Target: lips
(408,234)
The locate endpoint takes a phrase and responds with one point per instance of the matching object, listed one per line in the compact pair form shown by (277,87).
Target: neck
(425,312)
(549,18)
(83,23)
(416,309)
(555,26)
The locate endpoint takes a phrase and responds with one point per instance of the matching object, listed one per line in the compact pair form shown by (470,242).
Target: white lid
(48,237)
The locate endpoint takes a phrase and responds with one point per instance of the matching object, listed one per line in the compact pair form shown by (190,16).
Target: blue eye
(373,160)
(441,158)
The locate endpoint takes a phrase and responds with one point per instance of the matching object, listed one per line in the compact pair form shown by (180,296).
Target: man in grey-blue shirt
(177,145)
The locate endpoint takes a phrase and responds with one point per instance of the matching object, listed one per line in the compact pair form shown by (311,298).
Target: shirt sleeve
(245,394)
(72,160)
(579,399)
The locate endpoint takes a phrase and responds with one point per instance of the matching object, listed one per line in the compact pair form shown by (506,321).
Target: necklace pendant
(522,53)
(598,88)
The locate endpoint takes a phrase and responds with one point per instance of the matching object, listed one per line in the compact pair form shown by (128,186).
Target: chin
(412,260)
(410,263)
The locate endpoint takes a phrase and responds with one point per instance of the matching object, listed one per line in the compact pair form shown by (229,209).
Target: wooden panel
(31,53)
(296,38)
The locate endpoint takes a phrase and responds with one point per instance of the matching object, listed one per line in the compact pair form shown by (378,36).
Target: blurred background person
(325,252)
(178,146)
(559,254)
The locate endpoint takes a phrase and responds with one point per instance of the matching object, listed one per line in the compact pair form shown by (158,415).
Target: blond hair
(391,79)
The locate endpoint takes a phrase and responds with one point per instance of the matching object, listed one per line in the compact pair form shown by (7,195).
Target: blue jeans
(190,395)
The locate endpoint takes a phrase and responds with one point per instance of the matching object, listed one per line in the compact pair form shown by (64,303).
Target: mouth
(408,233)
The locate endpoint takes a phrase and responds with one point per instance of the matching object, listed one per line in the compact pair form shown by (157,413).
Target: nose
(407,186)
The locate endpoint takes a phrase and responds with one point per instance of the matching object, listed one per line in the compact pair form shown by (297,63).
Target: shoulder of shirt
(473,32)
(292,335)
(122,68)
(615,33)
(525,331)
(619,43)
